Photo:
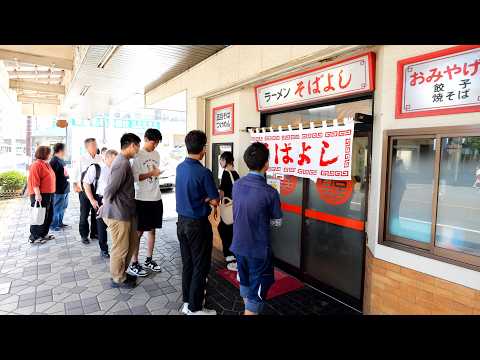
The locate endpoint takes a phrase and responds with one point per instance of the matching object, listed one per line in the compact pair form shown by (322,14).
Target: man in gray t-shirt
(118,212)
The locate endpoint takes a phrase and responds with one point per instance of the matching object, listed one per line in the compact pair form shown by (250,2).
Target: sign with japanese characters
(223,120)
(313,153)
(343,78)
(443,82)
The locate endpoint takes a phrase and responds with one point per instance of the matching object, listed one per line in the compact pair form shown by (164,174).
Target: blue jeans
(60,204)
(256,278)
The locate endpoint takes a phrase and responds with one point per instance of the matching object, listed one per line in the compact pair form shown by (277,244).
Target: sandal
(49,237)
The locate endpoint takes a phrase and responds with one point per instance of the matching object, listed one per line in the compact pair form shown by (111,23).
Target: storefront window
(411,187)
(434,177)
(458,217)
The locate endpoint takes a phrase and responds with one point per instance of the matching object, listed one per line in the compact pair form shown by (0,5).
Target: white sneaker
(230,258)
(184,309)
(232,266)
(204,311)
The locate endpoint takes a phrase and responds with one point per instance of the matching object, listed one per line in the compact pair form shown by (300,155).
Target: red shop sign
(439,83)
(342,78)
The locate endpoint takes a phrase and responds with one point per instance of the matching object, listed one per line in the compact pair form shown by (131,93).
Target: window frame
(424,249)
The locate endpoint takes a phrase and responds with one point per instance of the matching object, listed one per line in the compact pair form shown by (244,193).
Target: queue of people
(120,191)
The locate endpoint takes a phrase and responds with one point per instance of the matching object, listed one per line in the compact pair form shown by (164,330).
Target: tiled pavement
(63,276)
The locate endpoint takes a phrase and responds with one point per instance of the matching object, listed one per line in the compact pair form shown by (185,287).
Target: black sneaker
(152,265)
(136,270)
(127,284)
(85,240)
(104,254)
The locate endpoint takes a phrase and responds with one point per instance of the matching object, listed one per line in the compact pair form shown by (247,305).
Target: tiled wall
(392,289)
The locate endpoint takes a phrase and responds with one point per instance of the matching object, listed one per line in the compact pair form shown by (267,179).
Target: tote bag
(37,215)
(226,207)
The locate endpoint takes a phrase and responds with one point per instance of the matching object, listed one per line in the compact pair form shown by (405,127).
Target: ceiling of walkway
(128,72)
(85,79)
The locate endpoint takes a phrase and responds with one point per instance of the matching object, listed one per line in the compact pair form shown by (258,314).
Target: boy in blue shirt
(195,191)
(255,209)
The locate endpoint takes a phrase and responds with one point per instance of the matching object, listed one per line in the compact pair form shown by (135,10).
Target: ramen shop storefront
(322,240)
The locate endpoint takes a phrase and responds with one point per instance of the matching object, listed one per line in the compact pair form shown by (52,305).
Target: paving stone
(91,308)
(45,306)
(59,307)
(42,293)
(89,301)
(75,311)
(26,303)
(78,289)
(25,310)
(44,299)
(8,307)
(106,305)
(140,310)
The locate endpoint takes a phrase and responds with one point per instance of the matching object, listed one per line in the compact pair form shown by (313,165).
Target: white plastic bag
(37,215)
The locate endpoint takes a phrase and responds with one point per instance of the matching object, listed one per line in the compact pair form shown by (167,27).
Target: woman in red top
(41,187)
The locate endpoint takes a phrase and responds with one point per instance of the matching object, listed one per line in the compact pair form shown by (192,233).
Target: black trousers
(86,210)
(40,231)
(101,228)
(196,242)
(226,234)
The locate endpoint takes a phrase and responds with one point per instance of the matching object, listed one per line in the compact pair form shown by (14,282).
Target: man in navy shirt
(256,208)
(195,191)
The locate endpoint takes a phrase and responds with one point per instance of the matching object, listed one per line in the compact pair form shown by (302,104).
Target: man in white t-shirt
(94,183)
(148,198)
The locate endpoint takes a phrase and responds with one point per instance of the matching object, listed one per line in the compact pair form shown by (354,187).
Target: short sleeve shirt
(102,180)
(193,185)
(255,204)
(226,184)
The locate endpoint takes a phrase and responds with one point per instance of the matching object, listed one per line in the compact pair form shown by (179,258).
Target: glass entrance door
(322,238)
(334,237)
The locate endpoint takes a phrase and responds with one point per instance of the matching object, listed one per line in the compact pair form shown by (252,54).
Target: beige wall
(229,76)
(235,67)
(384,118)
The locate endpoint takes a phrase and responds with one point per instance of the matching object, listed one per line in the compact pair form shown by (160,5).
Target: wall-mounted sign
(439,83)
(346,77)
(223,120)
(313,153)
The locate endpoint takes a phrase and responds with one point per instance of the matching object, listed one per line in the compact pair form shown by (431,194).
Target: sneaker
(136,270)
(232,266)
(184,309)
(152,265)
(85,241)
(204,311)
(104,254)
(230,258)
(127,284)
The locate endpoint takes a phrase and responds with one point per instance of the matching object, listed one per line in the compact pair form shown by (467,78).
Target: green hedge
(12,181)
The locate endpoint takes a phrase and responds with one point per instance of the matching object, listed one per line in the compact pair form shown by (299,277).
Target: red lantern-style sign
(334,192)
(288,185)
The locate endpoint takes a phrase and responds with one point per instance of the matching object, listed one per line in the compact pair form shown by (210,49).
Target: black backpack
(97,176)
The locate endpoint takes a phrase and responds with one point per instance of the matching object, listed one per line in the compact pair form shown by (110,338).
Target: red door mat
(283,283)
